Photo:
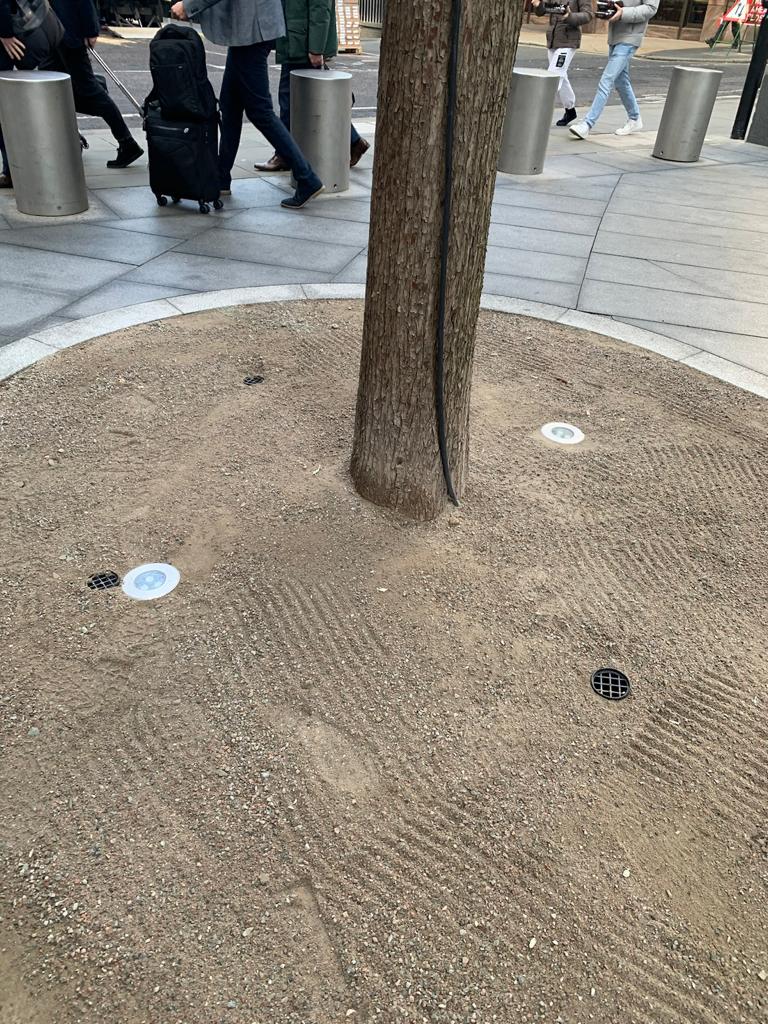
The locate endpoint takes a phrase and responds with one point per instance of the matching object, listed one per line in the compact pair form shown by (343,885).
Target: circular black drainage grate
(610,683)
(253,380)
(104,580)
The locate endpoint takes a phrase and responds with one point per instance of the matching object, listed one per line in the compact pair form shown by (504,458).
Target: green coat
(310,28)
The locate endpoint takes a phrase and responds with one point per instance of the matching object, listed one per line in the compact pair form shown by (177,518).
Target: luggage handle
(116,80)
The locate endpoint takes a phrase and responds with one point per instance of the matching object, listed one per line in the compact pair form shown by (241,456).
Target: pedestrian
(81,28)
(312,39)
(29,31)
(626,31)
(249,29)
(563,40)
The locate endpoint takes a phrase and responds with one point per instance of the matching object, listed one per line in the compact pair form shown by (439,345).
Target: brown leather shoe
(275,163)
(357,151)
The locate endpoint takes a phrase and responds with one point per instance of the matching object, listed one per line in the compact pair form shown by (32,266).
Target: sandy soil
(352,769)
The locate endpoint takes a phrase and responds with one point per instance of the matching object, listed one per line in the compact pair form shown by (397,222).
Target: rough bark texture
(395,460)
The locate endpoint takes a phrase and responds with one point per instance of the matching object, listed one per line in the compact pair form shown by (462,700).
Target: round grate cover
(610,683)
(562,433)
(104,580)
(147,582)
(253,380)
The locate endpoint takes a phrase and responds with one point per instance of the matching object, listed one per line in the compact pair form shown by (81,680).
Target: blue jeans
(245,90)
(284,97)
(615,75)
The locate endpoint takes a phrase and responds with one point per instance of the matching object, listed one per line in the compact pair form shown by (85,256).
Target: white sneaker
(630,127)
(581,129)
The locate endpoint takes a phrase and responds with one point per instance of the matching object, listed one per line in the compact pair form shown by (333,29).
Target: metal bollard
(321,114)
(530,107)
(758,130)
(37,113)
(690,102)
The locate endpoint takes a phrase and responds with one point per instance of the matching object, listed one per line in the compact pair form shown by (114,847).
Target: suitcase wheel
(162,200)
(217,204)
(205,208)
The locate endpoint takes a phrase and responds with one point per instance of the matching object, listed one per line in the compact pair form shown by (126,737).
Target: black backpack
(179,75)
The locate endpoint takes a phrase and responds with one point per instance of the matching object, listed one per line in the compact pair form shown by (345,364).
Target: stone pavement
(665,256)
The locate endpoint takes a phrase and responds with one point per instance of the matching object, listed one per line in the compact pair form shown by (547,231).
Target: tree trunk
(396,459)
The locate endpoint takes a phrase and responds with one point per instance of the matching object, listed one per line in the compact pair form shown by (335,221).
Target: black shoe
(569,115)
(710,42)
(5,181)
(127,151)
(303,194)
(83,142)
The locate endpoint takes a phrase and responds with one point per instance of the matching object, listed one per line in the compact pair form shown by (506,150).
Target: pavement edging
(21,354)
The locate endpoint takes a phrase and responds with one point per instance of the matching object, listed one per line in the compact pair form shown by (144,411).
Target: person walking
(29,31)
(249,29)
(311,40)
(563,40)
(626,31)
(81,28)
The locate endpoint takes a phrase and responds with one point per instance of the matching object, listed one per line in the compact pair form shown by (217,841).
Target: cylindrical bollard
(37,112)
(530,108)
(321,112)
(690,101)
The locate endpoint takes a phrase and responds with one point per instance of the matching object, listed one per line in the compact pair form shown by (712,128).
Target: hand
(616,16)
(13,47)
(316,60)
(90,43)
(179,12)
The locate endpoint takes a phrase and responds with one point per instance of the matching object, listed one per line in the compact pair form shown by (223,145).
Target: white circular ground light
(146,582)
(562,433)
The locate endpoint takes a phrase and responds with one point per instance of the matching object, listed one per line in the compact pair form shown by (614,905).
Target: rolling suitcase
(181,119)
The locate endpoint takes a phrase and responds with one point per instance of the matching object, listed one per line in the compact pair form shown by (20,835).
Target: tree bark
(395,460)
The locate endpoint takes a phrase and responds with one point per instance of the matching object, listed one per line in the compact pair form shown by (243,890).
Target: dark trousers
(245,90)
(284,97)
(90,95)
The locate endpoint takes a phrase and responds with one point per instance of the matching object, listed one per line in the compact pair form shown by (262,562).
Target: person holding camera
(563,40)
(628,21)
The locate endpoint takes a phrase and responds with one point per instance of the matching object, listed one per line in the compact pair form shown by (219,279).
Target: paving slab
(552,293)
(748,351)
(93,240)
(21,307)
(533,240)
(285,224)
(543,266)
(299,253)
(639,302)
(206,273)
(46,272)
(677,277)
(568,223)
(671,250)
(531,199)
(356,271)
(732,372)
(116,295)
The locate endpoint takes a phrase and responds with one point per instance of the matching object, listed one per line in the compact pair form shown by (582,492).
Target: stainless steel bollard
(530,108)
(321,114)
(37,113)
(758,129)
(690,102)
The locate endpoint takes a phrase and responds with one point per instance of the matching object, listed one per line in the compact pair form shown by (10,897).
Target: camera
(554,7)
(606,9)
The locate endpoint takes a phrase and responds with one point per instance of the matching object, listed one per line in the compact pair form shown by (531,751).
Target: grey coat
(238,22)
(630,28)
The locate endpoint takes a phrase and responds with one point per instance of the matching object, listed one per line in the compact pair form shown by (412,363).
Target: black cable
(441,302)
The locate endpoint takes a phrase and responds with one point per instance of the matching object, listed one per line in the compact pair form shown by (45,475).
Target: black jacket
(79,19)
(17,19)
